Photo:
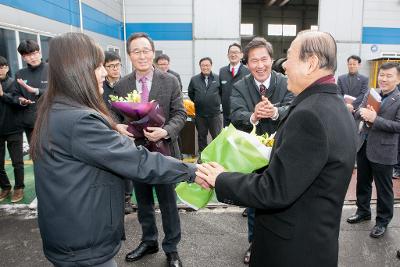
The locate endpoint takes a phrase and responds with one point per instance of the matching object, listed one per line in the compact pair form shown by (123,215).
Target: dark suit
(207,102)
(354,85)
(165,90)
(245,96)
(378,149)
(227,81)
(299,197)
(177,76)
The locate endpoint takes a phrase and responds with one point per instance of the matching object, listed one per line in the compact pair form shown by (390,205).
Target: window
(111,48)
(44,47)
(289,30)
(275,29)
(282,30)
(8,49)
(246,29)
(314,27)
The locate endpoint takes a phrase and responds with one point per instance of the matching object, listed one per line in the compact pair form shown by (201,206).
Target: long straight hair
(73,59)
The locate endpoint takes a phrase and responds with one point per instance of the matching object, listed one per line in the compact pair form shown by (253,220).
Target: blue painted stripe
(380,35)
(67,11)
(96,21)
(64,11)
(163,31)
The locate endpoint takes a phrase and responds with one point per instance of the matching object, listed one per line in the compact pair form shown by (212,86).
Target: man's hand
(1,90)
(28,88)
(122,129)
(368,114)
(155,134)
(24,102)
(350,107)
(209,172)
(264,109)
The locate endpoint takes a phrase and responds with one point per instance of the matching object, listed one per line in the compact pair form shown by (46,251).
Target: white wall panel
(181,55)
(216,19)
(112,8)
(159,11)
(341,18)
(382,13)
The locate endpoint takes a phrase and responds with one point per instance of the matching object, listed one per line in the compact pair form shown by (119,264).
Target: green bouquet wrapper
(236,151)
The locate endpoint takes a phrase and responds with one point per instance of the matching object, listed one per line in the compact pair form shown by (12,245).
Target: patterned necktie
(206,80)
(233,72)
(145,90)
(263,89)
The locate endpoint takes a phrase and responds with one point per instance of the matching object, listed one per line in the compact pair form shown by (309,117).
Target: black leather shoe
(398,254)
(377,231)
(173,259)
(358,218)
(142,250)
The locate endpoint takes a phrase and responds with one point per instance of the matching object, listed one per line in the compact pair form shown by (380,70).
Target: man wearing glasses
(228,75)
(154,84)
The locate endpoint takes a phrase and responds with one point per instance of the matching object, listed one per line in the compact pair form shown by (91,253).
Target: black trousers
(169,214)
(367,172)
(205,125)
(28,132)
(227,120)
(14,146)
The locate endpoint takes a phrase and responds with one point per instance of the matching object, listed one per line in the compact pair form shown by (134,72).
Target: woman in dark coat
(81,160)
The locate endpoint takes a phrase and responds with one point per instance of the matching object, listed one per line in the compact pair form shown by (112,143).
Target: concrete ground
(209,238)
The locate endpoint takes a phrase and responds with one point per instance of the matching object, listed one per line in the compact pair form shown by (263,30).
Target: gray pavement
(215,238)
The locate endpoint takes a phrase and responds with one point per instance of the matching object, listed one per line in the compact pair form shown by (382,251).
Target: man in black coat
(30,83)
(377,151)
(299,197)
(229,75)
(252,98)
(10,133)
(205,92)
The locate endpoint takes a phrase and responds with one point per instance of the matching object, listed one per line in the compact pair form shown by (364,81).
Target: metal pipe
(127,63)
(80,16)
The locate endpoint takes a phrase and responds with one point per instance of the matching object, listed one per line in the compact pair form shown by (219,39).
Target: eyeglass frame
(113,66)
(137,52)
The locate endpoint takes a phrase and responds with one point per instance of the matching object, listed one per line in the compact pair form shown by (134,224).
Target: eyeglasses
(113,66)
(4,67)
(33,54)
(145,52)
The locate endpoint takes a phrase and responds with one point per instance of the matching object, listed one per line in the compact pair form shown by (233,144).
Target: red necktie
(233,72)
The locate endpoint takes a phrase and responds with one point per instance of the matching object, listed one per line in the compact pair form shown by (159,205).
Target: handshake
(207,173)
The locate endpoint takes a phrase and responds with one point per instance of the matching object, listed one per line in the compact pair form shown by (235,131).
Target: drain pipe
(80,15)
(127,63)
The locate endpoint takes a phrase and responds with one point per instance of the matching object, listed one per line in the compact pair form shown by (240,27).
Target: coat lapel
(156,84)
(391,99)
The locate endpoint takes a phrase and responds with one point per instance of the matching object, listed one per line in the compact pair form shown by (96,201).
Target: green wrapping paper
(236,151)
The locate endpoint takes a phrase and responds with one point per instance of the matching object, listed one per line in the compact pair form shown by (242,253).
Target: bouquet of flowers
(236,151)
(140,116)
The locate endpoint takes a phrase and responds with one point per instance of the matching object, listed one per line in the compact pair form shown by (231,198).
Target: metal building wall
(361,27)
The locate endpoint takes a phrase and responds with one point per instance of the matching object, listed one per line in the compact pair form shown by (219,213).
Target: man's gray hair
(320,44)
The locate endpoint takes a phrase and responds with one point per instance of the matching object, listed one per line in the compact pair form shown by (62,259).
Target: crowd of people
(87,164)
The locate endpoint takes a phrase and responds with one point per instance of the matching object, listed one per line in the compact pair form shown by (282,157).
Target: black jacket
(245,96)
(227,81)
(79,179)
(207,100)
(37,78)
(10,112)
(177,76)
(299,197)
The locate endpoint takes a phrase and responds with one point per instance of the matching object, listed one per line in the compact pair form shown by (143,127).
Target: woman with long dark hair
(81,160)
